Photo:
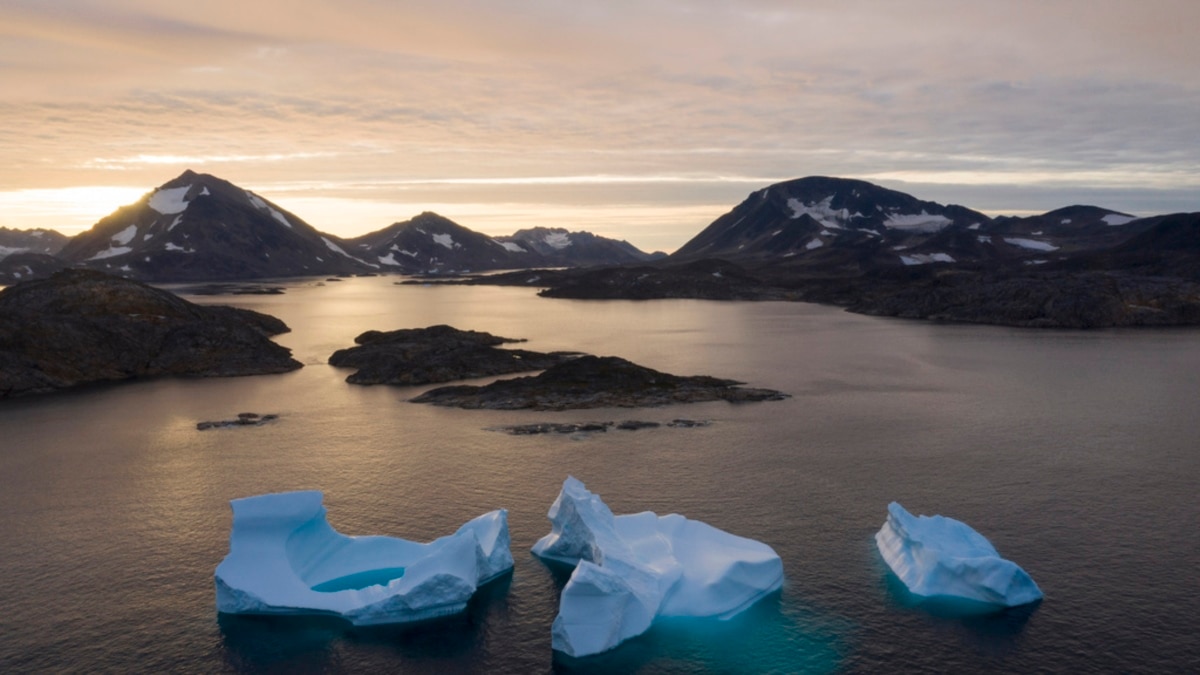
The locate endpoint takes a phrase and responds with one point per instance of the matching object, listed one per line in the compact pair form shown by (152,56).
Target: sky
(643,120)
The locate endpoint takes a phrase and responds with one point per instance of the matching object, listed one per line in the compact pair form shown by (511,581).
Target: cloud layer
(634,110)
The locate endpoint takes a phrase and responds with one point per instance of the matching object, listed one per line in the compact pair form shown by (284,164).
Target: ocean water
(1075,453)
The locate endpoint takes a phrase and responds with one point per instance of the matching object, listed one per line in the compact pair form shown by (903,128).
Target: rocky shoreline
(80,327)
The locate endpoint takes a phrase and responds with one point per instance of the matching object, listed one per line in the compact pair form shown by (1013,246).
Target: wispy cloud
(458,98)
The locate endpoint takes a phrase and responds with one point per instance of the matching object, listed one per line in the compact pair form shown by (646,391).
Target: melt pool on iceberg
(285,558)
(633,568)
(939,557)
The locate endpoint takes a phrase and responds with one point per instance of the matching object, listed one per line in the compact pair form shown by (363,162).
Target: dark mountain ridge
(199,227)
(878,251)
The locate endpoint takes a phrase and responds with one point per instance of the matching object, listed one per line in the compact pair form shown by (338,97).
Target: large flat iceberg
(942,558)
(633,568)
(284,558)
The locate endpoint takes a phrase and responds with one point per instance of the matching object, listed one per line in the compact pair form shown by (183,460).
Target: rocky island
(414,356)
(80,327)
(595,382)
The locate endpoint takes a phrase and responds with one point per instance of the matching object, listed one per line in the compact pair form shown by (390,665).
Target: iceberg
(285,558)
(942,558)
(631,569)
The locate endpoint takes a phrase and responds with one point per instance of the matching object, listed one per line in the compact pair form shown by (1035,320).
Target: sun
(69,210)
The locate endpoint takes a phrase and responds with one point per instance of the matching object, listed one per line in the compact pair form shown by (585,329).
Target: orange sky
(642,120)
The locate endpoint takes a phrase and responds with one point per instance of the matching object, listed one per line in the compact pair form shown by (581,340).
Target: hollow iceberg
(633,568)
(942,558)
(284,558)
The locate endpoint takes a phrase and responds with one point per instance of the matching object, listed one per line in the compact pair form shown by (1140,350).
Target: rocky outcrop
(246,419)
(595,382)
(435,354)
(538,428)
(80,327)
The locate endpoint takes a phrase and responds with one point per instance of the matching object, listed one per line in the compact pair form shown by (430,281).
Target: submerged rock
(285,558)
(942,558)
(80,327)
(415,356)
(585,427)
(632,569)
(595,382)
(243,420)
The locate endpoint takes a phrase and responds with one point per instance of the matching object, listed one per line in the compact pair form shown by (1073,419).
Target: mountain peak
(197,226)
(809,217)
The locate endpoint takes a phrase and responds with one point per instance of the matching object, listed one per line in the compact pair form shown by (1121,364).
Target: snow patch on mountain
(111,252)
(557,240)
(335,248)
(1118,219)
(926,258)
(169,201)
(125,236)
(821,211)
(261,204)
(446,240)
(513,246)
(1031,244)
(814,244)
(917,222)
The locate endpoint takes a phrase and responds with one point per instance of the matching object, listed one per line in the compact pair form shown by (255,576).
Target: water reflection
(987,627)
(315,643)
(762,639)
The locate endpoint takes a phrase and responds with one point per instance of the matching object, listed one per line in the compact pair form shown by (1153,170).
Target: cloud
(1005,94)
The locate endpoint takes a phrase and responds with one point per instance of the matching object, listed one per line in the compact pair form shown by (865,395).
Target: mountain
(45,242)
(199,227)
(841,226)
(25,266)
(882,252)
(561,248)
(432,244)
(837,222)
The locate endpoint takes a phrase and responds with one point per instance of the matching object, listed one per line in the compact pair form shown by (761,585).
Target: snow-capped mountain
(842,225)
(561,248)
(432,244)
(45,242)
(199,227)
(810,216)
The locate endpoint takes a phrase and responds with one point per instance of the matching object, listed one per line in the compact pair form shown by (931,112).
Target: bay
(1074,452)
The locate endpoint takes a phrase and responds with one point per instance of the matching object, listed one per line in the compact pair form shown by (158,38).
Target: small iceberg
(285,558)
(944,559)
(631,569)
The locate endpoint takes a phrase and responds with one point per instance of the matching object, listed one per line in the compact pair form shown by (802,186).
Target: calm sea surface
(1076,453)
